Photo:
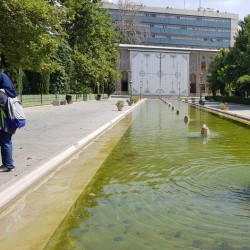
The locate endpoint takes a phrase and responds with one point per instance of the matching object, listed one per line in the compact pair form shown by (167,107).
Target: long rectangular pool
(165,186)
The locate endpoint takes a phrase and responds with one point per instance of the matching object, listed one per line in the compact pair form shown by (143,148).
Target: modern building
(202,28)
(174,58)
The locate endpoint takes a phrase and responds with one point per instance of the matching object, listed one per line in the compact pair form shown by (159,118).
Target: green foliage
(243,85)
(81,89)
(27,33)
(86,90)
(27,88)
(214,81)
(72,41)
(120,103)
(59,82)
(60,78)
(38,82)
(95,45)
(110,88)
(230,67)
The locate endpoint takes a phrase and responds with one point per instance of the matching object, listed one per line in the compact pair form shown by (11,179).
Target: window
(203,65)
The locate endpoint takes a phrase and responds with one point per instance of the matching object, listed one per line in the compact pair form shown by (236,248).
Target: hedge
(230,99)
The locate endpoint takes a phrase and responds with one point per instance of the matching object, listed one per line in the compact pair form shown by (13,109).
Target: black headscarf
(7,85)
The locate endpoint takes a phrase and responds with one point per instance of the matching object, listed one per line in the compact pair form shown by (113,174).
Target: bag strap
(3,116)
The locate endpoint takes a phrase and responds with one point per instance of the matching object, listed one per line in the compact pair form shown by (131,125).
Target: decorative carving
(134,54)
(177,74)
(142,73)
(159,91)
(160,73)
(159,55)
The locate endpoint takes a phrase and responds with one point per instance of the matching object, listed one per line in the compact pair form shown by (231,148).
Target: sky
(240,7)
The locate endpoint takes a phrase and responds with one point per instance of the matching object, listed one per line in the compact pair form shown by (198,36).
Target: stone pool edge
(12,191)
(225,114)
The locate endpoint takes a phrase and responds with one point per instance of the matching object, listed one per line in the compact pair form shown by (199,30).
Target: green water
(166,187)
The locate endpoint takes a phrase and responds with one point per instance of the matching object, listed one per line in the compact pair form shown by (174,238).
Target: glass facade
(189,29)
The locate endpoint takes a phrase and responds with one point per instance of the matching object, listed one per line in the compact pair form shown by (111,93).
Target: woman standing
(7,89)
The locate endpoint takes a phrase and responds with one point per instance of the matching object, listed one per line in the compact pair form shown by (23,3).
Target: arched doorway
(124,81)
(192,84)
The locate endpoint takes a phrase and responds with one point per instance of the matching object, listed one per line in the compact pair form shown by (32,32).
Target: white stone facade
(159,73)
(150,70)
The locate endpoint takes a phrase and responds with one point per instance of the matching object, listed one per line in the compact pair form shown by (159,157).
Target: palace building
(154,70)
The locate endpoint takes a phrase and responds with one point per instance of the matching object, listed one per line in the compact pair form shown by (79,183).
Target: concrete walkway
(237,112)
(52,134)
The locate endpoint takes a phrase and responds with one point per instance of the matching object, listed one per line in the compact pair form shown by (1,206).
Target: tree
(36,82)
(28,35)
(69,43)
(213,80)
(61,77)
(128,24)
(27,32)
(233,68)
(243,85)
(230,65)
(94,44)
(238,59)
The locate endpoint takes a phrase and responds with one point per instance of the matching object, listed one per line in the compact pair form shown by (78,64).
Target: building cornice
(163,48)
(203,12)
